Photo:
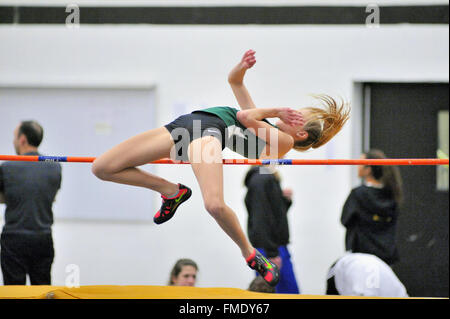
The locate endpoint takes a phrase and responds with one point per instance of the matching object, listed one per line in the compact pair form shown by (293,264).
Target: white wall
(189,66)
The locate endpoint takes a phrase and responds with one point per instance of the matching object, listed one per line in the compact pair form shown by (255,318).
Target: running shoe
(170,205)
(268,270)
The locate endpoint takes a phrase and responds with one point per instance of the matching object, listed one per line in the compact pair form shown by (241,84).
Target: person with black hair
(28,190)
(371,210)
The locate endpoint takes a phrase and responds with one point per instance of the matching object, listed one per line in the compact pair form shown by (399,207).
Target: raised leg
(119,163)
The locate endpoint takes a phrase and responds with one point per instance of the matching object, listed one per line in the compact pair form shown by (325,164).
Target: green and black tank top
(238,138)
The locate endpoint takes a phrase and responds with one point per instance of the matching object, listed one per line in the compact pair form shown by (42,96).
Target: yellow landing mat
(143,292)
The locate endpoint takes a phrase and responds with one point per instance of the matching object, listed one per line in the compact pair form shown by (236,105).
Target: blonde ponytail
(324,123)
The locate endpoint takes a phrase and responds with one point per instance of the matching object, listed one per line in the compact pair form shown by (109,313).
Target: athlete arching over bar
(201,136)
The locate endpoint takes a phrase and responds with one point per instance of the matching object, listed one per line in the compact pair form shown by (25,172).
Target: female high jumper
(200,137)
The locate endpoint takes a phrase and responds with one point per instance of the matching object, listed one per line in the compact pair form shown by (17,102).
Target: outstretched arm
(236,80)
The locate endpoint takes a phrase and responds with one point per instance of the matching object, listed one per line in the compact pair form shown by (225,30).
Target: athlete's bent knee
(101,170)
(215,208)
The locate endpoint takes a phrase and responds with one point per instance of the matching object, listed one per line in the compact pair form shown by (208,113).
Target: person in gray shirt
(28,189)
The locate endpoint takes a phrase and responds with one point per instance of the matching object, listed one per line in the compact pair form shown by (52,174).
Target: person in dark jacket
(28,190)
(371,211)
(268,229)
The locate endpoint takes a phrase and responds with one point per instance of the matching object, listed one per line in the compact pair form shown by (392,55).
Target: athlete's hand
(248,60)
(287,192)
(236,76)
(291,117)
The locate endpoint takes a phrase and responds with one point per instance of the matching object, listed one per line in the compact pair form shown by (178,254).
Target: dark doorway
(403,123)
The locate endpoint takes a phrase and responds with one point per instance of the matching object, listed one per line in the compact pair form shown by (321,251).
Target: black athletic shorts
(189,127)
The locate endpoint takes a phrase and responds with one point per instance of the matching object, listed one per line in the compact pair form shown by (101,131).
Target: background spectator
(357,274)
(371,210)
(184,273)
(28,190)
(259,285)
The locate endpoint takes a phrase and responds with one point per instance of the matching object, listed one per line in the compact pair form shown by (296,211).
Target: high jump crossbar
(387,161)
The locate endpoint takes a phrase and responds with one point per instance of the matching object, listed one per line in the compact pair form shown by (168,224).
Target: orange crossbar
(387,161)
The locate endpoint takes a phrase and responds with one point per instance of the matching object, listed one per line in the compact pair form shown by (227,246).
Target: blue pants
(287,283)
